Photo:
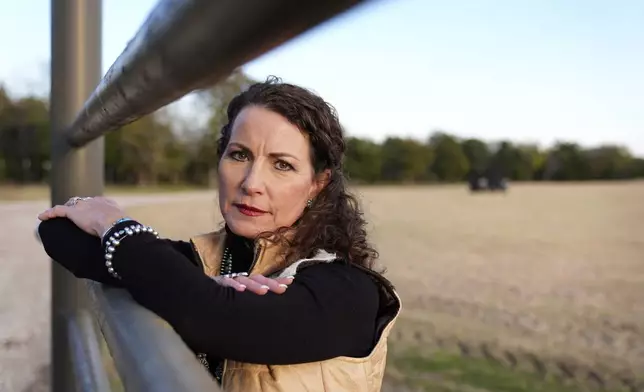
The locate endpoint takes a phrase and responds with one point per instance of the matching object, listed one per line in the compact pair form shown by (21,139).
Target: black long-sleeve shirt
(329,310)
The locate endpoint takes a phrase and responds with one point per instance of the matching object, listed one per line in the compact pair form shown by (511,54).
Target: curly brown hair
(334,222)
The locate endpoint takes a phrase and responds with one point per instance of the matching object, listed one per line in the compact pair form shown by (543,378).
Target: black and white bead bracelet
(115,239)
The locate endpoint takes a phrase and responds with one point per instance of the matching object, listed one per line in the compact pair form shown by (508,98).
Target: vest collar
(209,248)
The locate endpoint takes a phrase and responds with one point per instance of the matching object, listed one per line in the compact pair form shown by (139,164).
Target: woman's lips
(249,210)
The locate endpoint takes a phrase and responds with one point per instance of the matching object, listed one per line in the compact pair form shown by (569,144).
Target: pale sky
(532,70)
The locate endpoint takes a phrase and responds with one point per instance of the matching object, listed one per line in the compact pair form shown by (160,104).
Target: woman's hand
(258,284)
(93,215)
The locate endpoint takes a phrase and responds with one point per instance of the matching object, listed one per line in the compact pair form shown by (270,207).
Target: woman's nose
(253,182)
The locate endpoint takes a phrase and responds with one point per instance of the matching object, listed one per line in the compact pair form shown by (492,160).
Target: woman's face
(265,173)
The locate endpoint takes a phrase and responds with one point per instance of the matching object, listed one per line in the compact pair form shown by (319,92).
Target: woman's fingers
(44,215)
(235,284)
(230,282)
(257,284)
(54,212)
(253,285)
(272,284)
(264,284)
(287,281)
(92,215)
(282,283)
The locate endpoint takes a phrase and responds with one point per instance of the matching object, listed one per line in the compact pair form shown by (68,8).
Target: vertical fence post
(75,72)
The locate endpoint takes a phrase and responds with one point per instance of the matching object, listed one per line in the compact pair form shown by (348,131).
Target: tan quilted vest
(337,374)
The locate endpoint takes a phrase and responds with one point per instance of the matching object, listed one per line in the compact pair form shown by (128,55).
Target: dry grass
(23,193)
(556,270)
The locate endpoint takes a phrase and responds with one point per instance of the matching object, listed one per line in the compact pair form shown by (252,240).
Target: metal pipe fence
(183,46)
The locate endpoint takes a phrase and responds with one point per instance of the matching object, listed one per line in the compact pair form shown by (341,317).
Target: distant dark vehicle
(488,180)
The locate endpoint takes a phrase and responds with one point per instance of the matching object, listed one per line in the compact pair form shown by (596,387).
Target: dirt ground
(557,270)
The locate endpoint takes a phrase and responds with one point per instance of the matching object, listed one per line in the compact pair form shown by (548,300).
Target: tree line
(157,150)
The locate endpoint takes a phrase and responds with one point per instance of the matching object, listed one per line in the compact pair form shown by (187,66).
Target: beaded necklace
(225,269)
(226,263)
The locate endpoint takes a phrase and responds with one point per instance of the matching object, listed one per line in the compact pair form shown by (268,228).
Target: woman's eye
(238,155)
(284,166)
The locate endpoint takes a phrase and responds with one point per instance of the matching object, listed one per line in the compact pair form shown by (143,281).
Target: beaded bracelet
(108,232)
(115,240)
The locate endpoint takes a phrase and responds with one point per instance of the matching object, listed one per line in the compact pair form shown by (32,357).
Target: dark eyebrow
(282,155)
(273,154)
(239,145)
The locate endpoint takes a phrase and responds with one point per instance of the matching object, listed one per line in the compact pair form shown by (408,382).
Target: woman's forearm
(77,251)
(83,254)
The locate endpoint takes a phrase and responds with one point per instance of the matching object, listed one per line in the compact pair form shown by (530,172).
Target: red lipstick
(249,210)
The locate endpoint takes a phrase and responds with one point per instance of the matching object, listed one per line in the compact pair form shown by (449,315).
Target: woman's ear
(321,180)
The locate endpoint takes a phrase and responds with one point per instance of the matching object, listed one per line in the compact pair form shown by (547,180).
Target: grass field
(538,289)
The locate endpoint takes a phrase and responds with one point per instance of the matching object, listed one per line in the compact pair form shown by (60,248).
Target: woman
(284,297)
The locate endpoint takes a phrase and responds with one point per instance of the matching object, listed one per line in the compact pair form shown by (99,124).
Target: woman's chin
(244,228)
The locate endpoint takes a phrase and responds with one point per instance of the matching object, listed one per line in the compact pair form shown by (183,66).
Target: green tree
(478,154)
(175,164)
(636,168)
(24,138)
(567,162)
(404,160)
(537,158)
(609,162)
(450,162)
(136,153)
(363,160)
